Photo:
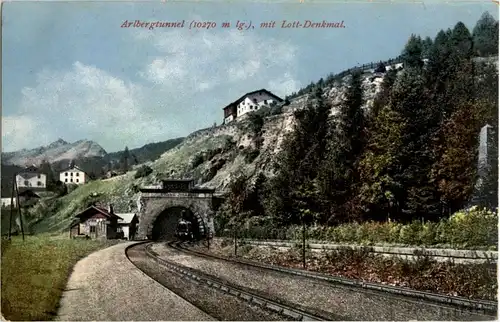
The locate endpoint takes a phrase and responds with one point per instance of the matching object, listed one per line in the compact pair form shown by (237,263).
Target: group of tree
(412,155)
(483,42)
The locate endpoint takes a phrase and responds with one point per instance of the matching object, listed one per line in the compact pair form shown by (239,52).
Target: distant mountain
(57,151)
(149,152)
(87,155)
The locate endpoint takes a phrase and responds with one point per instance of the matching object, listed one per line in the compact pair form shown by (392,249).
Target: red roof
(239,100)
(103,211)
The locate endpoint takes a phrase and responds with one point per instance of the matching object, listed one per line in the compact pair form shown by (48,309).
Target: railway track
(289,311)
(488,308)
(276,310)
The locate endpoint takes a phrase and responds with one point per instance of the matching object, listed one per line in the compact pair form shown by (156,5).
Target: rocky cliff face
(213,156)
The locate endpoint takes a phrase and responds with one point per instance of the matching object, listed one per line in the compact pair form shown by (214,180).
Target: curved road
(106,286)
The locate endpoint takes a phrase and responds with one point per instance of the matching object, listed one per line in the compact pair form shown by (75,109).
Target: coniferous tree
(409,100)
(382,97)
(297,165)
(381,192)
(46,168)
(254,200)
(125,159)
(412,53)
(455,169)
(485,35)
(461,41)
(426,47)
(338,180)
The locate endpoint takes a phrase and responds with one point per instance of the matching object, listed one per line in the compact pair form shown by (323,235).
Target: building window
(118,229)
(39,183)
(39,176)
(66,174)
(77,180)
(92,229)
(71,180)
(78,174)
(255,100)
(26,183)
(71,173)
(65,180)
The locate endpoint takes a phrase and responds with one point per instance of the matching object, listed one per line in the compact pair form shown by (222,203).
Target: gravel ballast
(344,302)
(219,305)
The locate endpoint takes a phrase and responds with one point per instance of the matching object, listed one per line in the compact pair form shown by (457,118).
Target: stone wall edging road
(402,252)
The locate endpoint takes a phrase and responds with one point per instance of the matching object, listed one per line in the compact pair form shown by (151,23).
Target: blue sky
(70,71)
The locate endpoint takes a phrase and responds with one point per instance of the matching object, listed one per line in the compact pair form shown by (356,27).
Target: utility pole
(19,210)
(208,235)
(303,242)
(11,206)
(235,242)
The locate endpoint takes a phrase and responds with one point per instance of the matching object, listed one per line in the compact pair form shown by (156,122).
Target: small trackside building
(96,223)
(127,225)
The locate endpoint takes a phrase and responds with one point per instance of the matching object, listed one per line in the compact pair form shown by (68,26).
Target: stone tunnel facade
(153,203)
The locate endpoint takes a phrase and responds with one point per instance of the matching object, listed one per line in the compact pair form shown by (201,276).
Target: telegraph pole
(11,206)
(19,210)
(303,242)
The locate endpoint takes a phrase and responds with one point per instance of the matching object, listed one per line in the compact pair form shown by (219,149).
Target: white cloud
(83,100)
(177,91)
(284,85)
(20,130)
(201,60)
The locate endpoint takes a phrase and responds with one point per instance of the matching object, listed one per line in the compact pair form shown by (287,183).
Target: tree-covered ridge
(412,156)
(482,42)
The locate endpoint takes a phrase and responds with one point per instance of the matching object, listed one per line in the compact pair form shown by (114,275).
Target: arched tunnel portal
(161,208)
(166,222)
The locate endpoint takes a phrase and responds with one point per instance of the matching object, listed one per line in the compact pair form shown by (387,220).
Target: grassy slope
(35,272)
(54,215)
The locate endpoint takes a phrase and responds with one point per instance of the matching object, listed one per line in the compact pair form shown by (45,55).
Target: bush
(472,229)
(380,68)
(228,144)
(250,154)
(143,171)
(197,160)
(256,122)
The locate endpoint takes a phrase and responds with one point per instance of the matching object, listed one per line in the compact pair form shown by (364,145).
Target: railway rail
(242,295)
(489,308)
(288,311)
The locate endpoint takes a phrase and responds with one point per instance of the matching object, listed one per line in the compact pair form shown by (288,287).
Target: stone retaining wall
(457,256)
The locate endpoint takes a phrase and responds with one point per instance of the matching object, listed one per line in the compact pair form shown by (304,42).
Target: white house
(32,178)
(248,103)
(73,175)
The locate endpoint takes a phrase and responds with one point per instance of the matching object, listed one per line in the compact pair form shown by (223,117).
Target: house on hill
(31,177)
(73,175)
(96,222)
(249,102)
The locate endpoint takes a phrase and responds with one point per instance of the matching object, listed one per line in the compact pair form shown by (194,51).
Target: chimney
(110,209)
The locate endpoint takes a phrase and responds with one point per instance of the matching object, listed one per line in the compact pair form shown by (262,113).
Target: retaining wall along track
(441,255)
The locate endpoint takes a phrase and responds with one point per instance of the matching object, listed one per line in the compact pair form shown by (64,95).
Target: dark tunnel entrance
(166,223)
